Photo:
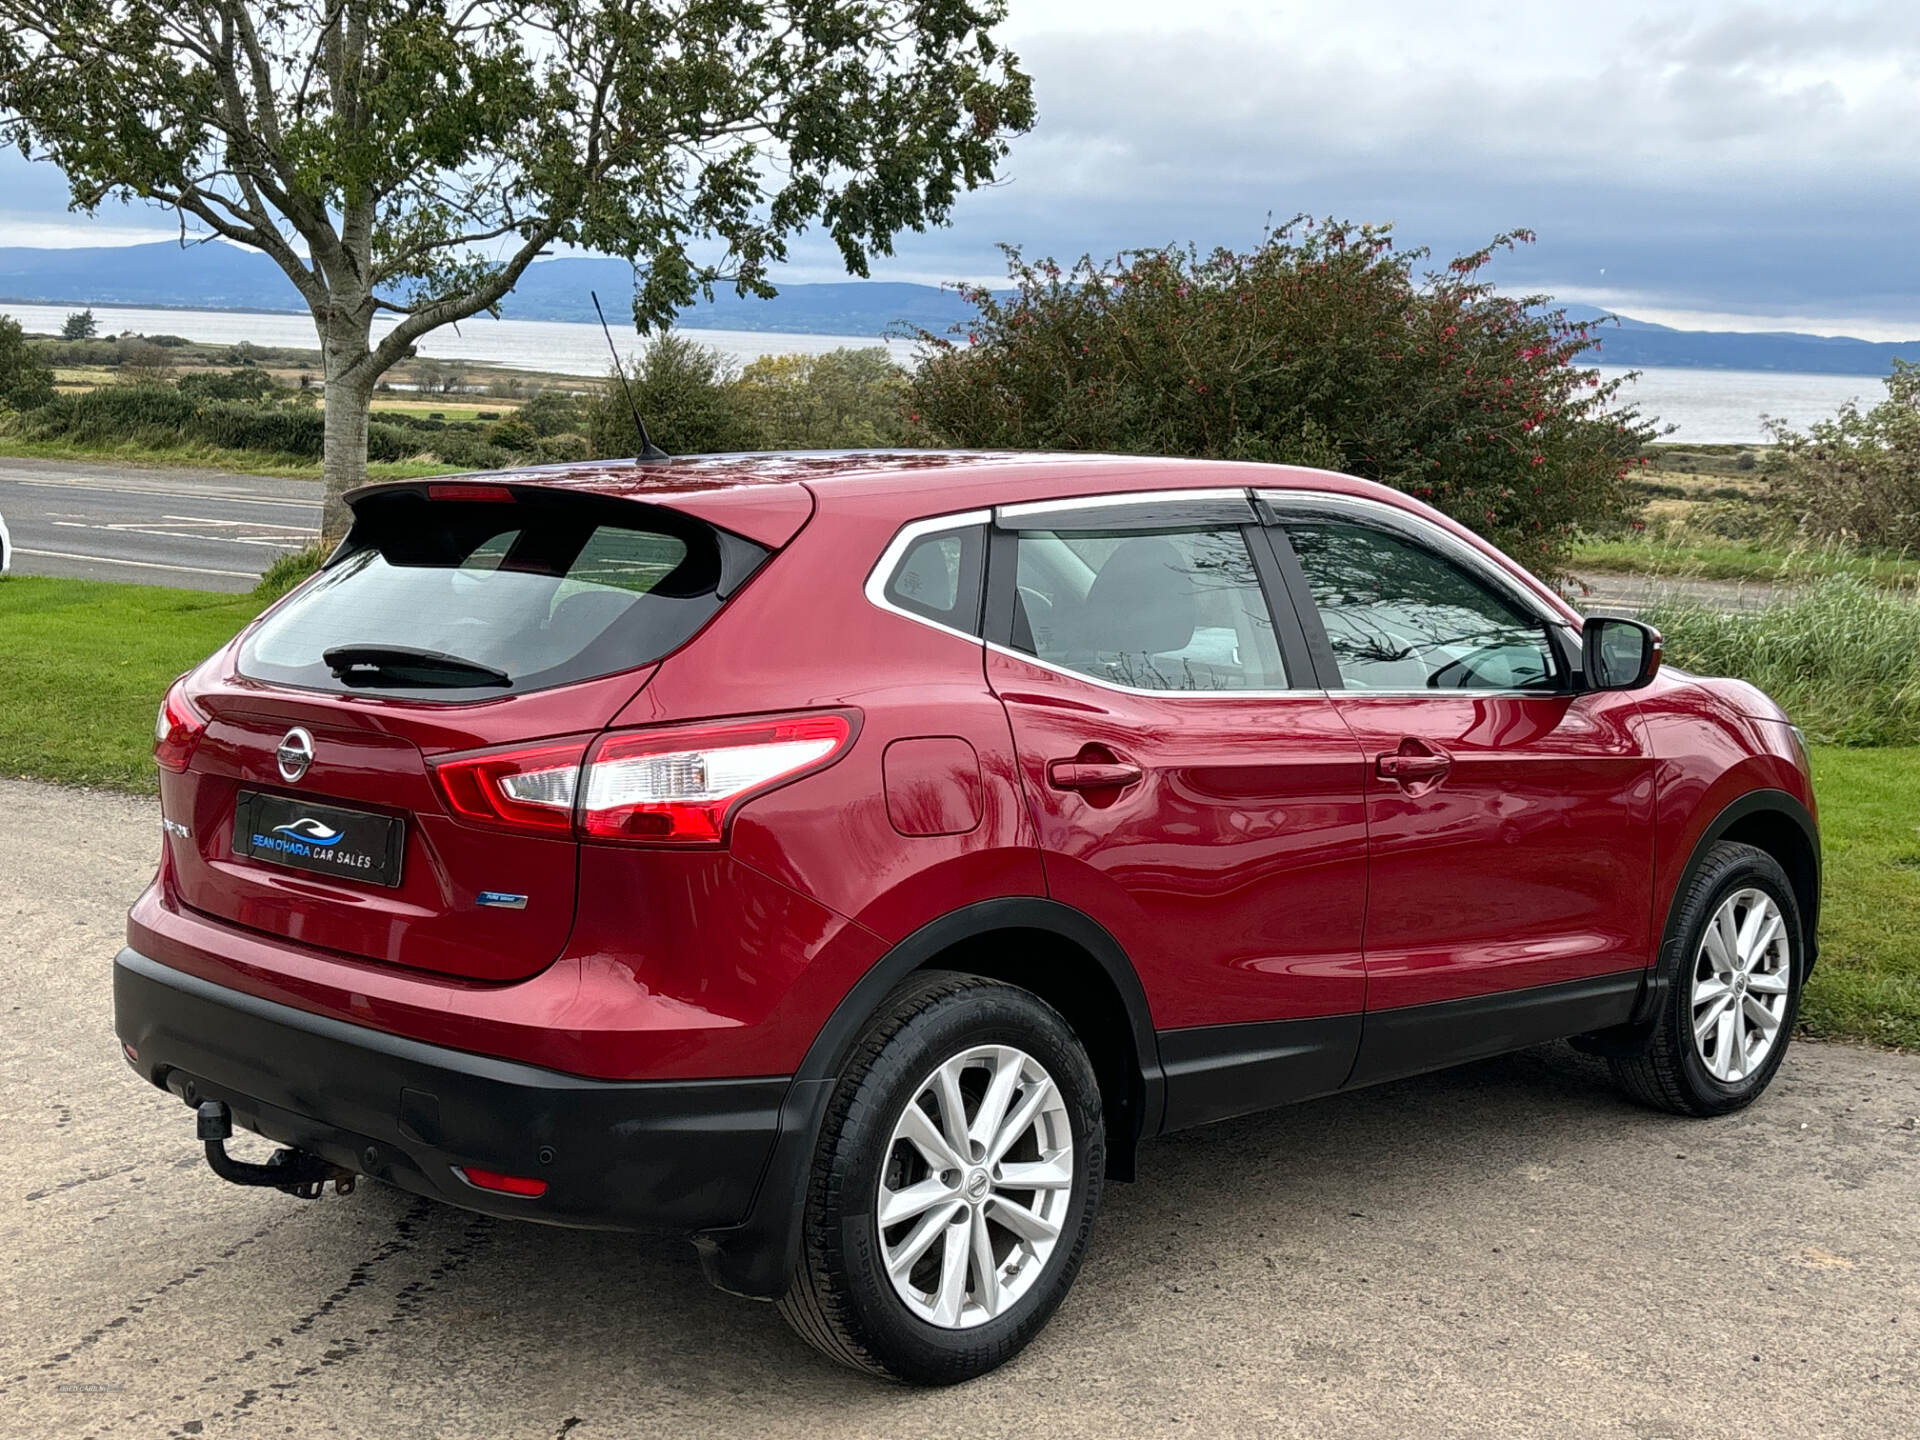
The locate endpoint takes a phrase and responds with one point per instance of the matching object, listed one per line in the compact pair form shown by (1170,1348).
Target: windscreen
(459,600)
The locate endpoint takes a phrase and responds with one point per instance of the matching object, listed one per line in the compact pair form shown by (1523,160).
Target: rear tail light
(668,786)
(177,730)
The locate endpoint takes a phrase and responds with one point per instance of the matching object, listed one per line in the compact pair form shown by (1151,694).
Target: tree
(415,156)
(26,382)
(79,326)
(1324,346)
(683,390)
(843,399)
(1855,478)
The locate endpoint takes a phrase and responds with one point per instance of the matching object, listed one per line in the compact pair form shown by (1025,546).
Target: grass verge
(83,664)
(1734,560)
(1867,984)
(206,457)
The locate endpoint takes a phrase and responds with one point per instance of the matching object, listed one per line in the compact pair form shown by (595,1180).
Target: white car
(6,547)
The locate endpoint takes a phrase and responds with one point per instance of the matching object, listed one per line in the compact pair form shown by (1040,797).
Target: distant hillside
(224,277)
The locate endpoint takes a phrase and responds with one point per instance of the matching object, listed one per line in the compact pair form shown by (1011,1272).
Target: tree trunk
(343,338)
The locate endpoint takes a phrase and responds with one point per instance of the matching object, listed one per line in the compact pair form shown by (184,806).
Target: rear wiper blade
(366,663)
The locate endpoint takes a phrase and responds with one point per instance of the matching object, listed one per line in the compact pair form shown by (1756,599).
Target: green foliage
(287,571)
(843,399)
(242,384)
(1321,347)
(79,326)
(1856,478)
(1842,658)
(683,391)
(513,434)
(554,412)
(25,380)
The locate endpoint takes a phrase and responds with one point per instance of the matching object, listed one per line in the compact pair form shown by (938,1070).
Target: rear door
(518,622)
(1194,789)
(1511,817)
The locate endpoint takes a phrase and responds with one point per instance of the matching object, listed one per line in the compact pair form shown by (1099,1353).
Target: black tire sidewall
(983,1014)
(1728,868)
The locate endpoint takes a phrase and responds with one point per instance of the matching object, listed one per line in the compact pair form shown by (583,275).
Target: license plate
(346,844)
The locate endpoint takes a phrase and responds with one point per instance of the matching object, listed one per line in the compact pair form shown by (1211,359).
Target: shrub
(116,412)
(234,385)
(1856,478)
(554,412)
(289,570)
(1842,658)
(279,429)
(512,433)
(682,390)
(845,399)
(1320,347)
(25,380)
(146,363)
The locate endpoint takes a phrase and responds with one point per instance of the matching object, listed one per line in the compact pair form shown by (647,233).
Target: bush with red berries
(1324,346)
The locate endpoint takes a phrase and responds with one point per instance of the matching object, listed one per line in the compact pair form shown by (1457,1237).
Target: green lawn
(83,665)
(1867,984)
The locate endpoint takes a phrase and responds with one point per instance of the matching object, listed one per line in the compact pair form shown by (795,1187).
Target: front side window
(1177,610)
(1400,616)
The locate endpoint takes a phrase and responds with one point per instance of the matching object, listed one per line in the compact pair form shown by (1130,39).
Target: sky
(1727,164)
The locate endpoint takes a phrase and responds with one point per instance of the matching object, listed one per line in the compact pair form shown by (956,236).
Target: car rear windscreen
(461,600)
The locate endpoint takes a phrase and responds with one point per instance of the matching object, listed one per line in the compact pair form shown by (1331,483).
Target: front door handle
(1414,763)
(1092,774)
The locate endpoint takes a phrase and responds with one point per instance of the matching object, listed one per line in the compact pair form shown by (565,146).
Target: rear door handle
(1092,774)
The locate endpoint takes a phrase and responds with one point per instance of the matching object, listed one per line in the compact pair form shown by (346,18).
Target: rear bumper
(620,1155)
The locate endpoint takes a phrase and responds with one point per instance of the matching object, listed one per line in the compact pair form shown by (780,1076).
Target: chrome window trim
(896,551)
(1028,510)
(1081,675)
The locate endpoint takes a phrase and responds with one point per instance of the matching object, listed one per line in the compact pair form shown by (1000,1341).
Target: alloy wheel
(976,1187)
(1741,977)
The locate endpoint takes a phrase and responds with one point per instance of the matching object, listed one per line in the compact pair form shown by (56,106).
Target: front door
(1511,817)
(1195,791)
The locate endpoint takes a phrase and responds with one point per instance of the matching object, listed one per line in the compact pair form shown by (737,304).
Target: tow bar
(297,1172)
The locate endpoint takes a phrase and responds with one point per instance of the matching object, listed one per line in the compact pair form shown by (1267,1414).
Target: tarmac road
(1508,1249)
(198,529)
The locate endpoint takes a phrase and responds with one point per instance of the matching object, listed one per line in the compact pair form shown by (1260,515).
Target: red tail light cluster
(177,730)
(669,786)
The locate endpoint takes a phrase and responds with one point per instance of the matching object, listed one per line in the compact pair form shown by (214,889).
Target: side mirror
(1618,654)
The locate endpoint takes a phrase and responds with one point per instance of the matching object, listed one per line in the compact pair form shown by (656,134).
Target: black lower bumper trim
(647,1155)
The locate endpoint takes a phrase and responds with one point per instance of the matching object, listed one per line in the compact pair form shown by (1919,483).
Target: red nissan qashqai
(848,860)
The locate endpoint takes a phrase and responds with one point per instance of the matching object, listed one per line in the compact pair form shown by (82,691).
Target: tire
(1713,1075)
(841,1297)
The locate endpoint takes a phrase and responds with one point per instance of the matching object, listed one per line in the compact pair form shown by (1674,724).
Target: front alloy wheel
(1741,978)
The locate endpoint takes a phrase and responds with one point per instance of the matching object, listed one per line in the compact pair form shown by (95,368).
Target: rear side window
(1173,610)
(500,598)
(938,578)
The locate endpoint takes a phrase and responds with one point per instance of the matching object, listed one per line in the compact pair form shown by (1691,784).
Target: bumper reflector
(521,1185)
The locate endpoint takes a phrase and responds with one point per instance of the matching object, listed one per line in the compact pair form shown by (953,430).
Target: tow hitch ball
(295,1171)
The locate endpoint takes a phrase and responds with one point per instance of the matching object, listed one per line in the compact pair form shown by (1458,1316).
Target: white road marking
(211,495)
(143,564)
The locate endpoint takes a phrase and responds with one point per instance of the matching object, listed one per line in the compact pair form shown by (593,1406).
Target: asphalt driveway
(1505,1250)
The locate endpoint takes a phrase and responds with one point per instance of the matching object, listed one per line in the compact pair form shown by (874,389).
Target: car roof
(769,496)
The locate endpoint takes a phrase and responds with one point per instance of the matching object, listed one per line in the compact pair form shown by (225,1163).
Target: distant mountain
(225,277)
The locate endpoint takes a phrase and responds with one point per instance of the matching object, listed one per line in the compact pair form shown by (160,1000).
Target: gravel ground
(1508,1249)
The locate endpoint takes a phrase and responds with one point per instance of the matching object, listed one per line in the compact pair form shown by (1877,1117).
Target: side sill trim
(1412,1039)
(1214,1072)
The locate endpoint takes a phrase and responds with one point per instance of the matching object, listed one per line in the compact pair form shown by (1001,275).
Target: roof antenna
(649,452)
